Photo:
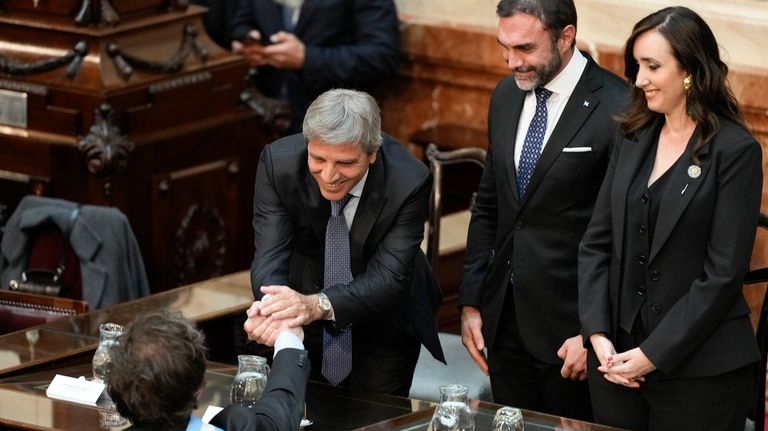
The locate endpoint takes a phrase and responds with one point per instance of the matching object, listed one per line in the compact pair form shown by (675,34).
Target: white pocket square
(577,149)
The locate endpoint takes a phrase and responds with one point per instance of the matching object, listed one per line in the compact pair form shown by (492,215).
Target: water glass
(508,419)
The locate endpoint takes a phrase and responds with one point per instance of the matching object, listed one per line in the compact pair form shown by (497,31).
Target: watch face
(324,303)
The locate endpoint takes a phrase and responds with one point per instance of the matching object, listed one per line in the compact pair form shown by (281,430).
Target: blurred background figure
(305,47)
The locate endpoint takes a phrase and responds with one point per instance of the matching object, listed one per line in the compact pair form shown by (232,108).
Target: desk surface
(24,405)
(77,336)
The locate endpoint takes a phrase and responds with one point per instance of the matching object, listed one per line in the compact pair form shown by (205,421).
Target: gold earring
(688,82)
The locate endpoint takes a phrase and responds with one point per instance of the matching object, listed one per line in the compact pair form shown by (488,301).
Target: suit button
(656,308)
(509,263)
(643,229)
(644,198)
(519,225)
(640,290)
(641,259)
(655,275)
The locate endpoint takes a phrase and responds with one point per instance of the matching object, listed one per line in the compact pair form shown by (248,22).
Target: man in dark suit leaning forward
(550,132)
(357,279)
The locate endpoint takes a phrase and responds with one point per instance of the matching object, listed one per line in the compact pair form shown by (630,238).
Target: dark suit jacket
(698,322)
(392,284)
(281,406)
(110,260)
(349,43)
(538,239)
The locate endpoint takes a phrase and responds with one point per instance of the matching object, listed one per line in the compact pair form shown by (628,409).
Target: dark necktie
(337,349)
(534,139)
(288,18)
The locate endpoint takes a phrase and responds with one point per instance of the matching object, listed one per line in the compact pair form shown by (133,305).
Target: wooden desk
(73,340)
(24,405)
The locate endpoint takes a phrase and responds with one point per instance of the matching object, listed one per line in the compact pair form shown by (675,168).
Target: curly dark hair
(158,368)
(695,48)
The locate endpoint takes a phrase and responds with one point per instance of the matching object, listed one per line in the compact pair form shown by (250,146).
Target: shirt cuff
(287,340)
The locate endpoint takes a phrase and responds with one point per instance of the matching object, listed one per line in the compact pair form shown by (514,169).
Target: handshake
(281,309)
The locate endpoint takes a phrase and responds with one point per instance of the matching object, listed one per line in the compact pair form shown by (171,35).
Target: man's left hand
(285,303)
(285,52)
(574,357)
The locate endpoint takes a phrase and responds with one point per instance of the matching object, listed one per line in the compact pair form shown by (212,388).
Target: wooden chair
(437,159)
(19,310)
(759,276)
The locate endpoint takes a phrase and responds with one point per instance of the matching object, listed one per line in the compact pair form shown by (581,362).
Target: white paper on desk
(79,391)
(210,412)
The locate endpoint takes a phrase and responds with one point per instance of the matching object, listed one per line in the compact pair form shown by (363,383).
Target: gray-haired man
(362,286)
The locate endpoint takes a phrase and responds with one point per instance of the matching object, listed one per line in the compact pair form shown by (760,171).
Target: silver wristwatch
(324,304)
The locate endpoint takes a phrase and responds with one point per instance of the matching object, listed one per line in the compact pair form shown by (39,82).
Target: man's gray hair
(340,116)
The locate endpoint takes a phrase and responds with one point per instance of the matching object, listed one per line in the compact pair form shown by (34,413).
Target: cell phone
(250,40)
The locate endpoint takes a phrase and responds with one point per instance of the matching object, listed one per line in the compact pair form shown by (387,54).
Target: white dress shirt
(562,87)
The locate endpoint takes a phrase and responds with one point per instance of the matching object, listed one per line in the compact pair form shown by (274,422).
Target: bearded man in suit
(550,132)
(357,278)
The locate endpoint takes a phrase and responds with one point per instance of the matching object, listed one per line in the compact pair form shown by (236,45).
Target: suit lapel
(317,208)
(307,10)
(633,152)
(268,14)
(509,139)
(679,192)
(579,107)
(371,203)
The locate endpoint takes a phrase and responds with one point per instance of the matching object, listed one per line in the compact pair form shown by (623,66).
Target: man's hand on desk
(284,303)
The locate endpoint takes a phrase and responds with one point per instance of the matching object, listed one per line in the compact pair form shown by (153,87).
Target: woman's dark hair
(695,48)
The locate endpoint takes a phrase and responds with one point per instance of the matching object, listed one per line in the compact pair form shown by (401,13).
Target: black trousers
(520,380)
(718,403)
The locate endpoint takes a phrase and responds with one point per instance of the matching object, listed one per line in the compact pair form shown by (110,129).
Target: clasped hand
(627,368)
(281,309)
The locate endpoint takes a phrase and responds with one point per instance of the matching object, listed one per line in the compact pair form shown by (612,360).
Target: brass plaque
(13,108)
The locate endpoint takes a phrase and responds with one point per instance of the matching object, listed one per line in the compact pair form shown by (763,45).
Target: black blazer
(281,406)
(349,43)
(393,284)
(538,240)
(698,319)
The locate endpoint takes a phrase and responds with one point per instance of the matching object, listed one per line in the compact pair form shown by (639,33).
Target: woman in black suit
(662,262)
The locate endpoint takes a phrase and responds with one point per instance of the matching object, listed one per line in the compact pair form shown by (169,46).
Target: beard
(542,74)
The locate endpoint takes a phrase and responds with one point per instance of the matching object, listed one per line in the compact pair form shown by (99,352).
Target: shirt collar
(565,81)
(357,190)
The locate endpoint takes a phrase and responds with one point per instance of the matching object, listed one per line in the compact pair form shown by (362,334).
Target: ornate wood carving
(73,59)
(274,113)
(106,150)
(125,63)
(101,13)
(97,12)
(200,244)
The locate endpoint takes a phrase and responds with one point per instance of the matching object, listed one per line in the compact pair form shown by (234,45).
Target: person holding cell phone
(303,48)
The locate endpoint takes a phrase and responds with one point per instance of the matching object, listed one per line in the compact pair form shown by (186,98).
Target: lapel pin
(694,171)
(586,104)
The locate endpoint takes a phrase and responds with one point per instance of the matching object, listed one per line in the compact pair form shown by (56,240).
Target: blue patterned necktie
(337,349)
(288,18)
(534,139)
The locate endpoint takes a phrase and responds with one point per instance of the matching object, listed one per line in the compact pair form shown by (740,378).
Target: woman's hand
(629,368)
